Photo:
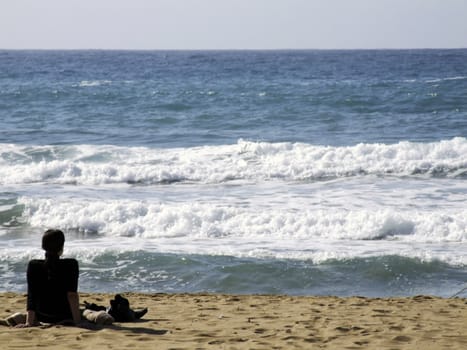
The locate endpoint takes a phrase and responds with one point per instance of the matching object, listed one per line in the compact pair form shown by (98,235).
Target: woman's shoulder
(36,262)
(69,262)
(36,266)
(62,262)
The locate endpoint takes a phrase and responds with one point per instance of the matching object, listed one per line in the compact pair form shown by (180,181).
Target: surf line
(459,292)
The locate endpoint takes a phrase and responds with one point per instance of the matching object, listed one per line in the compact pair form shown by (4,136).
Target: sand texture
(212,321)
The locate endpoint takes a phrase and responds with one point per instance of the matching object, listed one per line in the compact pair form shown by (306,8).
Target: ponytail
(52,243)
(51,260)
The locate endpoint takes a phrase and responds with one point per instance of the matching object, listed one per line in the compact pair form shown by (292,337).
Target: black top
(48,287)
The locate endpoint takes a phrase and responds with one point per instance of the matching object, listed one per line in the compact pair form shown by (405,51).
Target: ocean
(279,172)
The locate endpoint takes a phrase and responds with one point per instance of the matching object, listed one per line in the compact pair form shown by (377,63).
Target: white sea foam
(122,226)
(88,83)
(212,221)
(246,200)
(446,79)
(94,165)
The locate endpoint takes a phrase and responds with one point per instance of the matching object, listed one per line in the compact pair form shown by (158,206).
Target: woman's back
(48,285)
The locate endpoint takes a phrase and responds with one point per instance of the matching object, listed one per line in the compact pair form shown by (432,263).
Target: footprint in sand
(402,338)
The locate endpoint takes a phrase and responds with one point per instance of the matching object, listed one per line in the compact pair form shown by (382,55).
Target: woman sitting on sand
(53,297)
(52,286)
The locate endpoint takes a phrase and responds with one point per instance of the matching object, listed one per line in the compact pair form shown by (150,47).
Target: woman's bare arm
(30,320)
(73,300)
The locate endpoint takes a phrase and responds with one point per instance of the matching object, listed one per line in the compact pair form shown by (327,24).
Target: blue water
(296,172)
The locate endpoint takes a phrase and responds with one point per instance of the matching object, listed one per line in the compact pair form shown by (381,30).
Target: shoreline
(224,321)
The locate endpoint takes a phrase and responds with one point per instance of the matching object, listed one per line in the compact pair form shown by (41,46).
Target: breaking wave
(246,160)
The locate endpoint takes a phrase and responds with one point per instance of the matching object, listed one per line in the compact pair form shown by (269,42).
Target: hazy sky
(232,24)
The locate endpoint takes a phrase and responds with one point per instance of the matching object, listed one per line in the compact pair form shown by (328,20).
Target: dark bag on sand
(119,309)
(121,312)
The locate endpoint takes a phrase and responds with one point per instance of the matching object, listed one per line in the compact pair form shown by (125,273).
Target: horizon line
(235,49)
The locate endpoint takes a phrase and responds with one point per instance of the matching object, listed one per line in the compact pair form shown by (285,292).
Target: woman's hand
(25,325)
(30,320)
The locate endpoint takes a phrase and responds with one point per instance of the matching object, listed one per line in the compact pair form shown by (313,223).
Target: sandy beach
(214,321)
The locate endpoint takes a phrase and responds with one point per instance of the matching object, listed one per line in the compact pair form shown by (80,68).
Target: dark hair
(52,243)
